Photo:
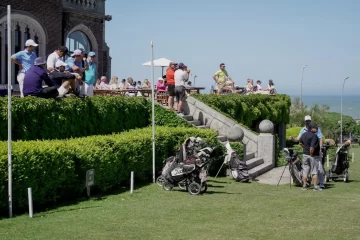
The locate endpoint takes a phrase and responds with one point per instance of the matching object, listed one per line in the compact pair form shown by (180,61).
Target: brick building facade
(55,23)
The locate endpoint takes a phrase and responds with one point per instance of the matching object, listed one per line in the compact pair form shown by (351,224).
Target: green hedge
(55,169)
(250,108)
(36,118)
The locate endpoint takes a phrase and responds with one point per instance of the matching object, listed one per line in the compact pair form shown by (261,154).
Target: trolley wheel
(204,187)
(194,188)
(182,185)
(160,181)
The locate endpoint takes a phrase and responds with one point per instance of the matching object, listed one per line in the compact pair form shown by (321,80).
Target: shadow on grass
(216,181)
(64,210)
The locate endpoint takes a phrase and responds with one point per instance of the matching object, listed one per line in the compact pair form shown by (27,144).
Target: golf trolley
(295,168)
(340,165)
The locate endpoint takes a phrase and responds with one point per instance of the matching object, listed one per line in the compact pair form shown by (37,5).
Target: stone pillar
(266,142)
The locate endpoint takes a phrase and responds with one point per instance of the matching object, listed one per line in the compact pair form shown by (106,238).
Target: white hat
(60,63)
(307,118)
(31,42)
(77,52)
(160,78)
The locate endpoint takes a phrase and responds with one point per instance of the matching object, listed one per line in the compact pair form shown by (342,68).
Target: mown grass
(229,210)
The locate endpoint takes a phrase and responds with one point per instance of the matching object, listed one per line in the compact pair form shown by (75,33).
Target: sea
(351,104)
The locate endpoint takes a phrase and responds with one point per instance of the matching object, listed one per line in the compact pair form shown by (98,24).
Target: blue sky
(259,39)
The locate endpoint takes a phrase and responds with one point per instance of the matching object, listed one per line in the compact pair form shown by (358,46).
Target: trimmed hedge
(56,169)
(35,118)
(250,108)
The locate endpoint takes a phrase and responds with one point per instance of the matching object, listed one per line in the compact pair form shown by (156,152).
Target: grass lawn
(229,210)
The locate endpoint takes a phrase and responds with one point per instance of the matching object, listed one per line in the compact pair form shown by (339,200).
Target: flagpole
(153,108)
(9,42)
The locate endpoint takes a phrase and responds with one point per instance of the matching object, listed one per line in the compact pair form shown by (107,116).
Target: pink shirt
(104,86)
(160,86)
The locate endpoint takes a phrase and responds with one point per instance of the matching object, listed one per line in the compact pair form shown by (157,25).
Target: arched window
(23,27)
(77,40)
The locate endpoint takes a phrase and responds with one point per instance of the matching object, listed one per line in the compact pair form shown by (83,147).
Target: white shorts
(87,89)
(20,79)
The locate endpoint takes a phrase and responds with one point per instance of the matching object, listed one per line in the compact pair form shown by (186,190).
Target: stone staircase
(255,164)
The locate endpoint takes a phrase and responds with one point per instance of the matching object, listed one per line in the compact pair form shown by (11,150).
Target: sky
(258,39)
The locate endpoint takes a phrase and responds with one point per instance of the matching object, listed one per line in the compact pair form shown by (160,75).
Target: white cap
(307,118)
(31,42)
(60,63)
(77,52)
(160,78)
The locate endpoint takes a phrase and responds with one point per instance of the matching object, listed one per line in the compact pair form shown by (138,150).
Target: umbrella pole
(153,108)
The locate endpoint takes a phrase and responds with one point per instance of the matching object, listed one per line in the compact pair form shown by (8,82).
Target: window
(77,40)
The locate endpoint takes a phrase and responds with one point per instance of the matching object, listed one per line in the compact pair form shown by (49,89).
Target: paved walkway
(272,177)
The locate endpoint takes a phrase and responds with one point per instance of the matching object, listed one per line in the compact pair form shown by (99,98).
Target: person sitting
(271,87)
(64,80)
(146,84)
(97,84)
(160,86)
(258,85)
(138,85)
(123,85)
(33,81)
(249,85)
(103,84)
(113,83)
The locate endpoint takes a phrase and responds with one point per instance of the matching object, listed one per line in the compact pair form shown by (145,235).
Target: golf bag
(340,165)
(238,169)
(295,166)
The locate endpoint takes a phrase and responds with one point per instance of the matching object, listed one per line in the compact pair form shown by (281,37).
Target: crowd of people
(224,84)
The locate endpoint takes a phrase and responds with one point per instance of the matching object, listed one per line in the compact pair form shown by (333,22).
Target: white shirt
(258,87)
(52,59)
(180,77)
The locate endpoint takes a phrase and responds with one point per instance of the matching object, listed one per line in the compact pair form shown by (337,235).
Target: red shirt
(170,72)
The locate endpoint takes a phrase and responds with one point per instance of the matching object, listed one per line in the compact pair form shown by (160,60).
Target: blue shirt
(71,62)
(26,59)
(304,129)
(90,74)
(33,81)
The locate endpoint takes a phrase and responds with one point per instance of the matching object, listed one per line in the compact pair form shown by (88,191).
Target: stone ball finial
(266,126)
(235,133)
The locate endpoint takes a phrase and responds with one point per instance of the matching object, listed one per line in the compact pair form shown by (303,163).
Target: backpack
(238,169)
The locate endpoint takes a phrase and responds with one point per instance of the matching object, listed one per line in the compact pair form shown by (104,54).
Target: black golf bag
(239,169)
(295,166)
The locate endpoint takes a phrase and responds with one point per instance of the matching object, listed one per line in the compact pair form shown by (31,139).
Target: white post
(153,108)
(302,79)
(327,161)
(132,182)
(353,157)
(341,107)
(30,202)
(9,111)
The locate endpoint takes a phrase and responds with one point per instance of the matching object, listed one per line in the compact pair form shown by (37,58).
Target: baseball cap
(60,63)
(64,49)
(31,42)
(181,65)
(39,61)
(77,52)
(307,118)
(91,54)
(160,78)
(172,63)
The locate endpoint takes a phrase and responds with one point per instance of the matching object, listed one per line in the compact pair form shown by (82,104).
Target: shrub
(36,118)
(56,169)
(292,132)
(251,108)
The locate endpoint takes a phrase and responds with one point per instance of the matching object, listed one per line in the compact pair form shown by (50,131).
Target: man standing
(181,77)
(25,59)
(319,135)
(220,78)
(170,78)
(90,76)
(311,156)
(55,56)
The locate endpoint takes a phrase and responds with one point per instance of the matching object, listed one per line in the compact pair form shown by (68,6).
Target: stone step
(261,169)
(254,162)
(195,122)
(222,138)
(203,127)
(249,155)
(188,117)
